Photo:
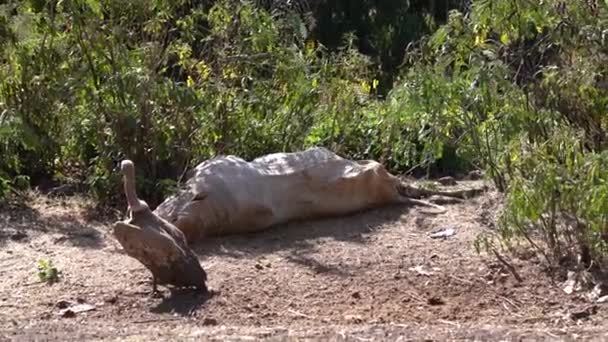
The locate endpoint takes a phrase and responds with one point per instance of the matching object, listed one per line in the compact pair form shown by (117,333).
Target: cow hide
(228,195)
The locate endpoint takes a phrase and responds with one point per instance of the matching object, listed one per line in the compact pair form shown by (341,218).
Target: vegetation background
(517,88)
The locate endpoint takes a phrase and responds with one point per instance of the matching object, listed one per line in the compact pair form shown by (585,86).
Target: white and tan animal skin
(228,195)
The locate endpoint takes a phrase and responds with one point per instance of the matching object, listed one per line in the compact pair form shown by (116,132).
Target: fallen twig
(297,313)
(507,308)
(509,301)
(415,296)
(510,267)
(33,283)
(468,282)
(157,320)
(448,322)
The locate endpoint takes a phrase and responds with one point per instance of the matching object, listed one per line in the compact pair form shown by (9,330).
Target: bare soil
(374,275)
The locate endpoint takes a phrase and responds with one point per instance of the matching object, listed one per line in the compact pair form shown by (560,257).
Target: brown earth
(375,275)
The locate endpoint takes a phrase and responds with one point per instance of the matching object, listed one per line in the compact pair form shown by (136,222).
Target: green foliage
(168,85)
(47,273)
(518,88)
(526,85)
(561,191)
(165,88)
(382,28)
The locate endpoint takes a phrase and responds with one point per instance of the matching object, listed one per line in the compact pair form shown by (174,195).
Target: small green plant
(47,272)
(484,243)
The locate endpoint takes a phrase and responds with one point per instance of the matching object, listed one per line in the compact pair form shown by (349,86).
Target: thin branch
(510,267)
(157,320)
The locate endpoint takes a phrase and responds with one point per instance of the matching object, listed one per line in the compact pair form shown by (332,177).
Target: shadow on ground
(20,221)
(183,302)
(302,236)
(318,266)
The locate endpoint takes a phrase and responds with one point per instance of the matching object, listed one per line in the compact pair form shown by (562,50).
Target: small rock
(111,299)
(73,310)
(82,308)
(475,175)
(571,285)
(353,318)
(443,234)
(67,313)
(263,262)
(18,236)
(210,321)
(356,295)
(435,301)
(602,299)
(62,304)
(447,181)
(598,291)
(420,270)
(583,312)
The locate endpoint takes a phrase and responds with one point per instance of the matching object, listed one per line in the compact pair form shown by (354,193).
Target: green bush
(528,86)
(561,192)
(88,83)
(518,88)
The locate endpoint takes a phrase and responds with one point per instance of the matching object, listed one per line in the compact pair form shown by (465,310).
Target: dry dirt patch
(375,274)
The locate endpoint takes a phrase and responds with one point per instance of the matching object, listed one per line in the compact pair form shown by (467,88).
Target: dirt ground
(375,275)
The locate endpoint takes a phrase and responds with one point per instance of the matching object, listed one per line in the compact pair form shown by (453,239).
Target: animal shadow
(19,222)
(301,235)
(183,301)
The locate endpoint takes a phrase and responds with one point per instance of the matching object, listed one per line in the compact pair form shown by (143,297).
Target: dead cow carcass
(228,195)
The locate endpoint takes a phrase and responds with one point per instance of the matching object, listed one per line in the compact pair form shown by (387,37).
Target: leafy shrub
(47,273)
(518,88)
(166,85)
(561,192)
(533,116)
